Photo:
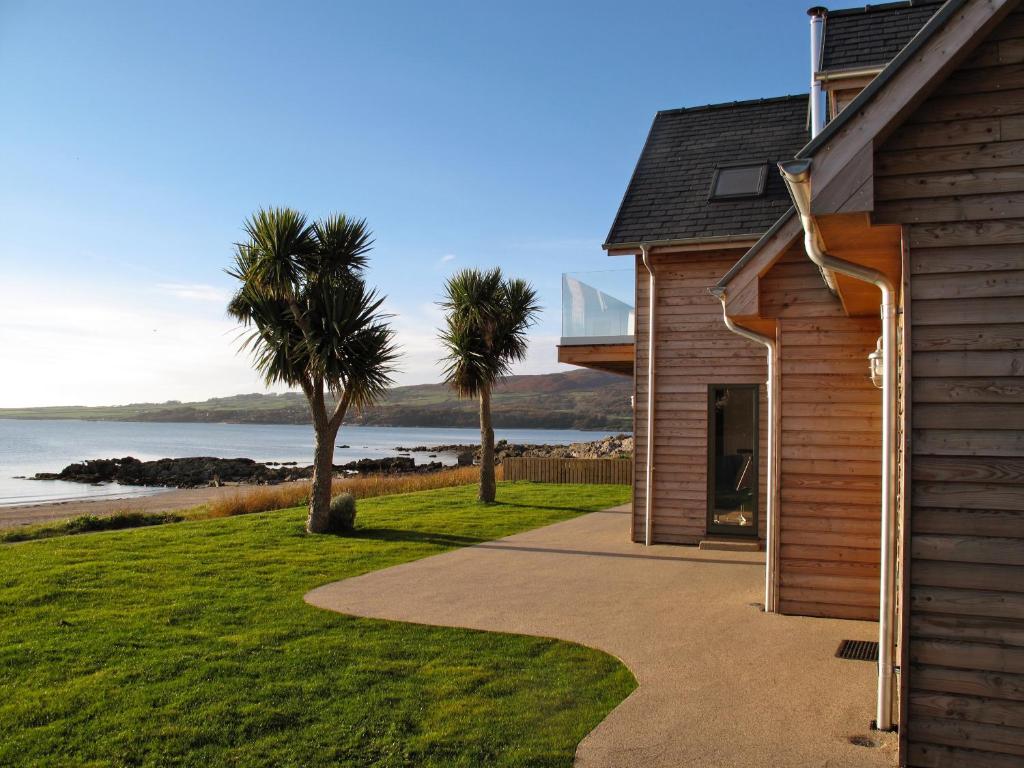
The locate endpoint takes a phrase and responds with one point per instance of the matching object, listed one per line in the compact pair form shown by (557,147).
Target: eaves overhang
(756,248)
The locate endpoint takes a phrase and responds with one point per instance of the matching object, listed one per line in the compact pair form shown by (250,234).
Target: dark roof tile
(872,35)
(667,198)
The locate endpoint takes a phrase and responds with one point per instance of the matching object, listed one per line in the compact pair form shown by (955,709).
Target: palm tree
(485,332)
(313,323)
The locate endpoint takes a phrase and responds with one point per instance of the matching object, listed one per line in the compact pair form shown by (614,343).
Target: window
(732,458)
(738,181)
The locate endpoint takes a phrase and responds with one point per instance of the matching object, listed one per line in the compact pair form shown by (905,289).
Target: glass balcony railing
(597,307)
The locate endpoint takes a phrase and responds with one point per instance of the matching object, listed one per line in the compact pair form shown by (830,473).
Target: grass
(89,524)
(248,500)
(271,497)
(189,645)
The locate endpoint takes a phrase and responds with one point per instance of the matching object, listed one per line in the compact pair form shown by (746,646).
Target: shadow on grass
(556,508)
(411,536)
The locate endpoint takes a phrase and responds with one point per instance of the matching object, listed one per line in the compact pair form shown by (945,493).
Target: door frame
(719,529)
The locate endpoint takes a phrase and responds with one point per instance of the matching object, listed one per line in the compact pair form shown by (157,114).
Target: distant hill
(575,400)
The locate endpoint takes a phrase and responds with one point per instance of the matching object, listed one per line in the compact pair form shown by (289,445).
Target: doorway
(733,459)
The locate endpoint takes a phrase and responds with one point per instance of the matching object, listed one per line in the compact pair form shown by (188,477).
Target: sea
(31,446)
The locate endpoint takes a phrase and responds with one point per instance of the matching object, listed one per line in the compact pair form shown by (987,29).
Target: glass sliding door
(732,459)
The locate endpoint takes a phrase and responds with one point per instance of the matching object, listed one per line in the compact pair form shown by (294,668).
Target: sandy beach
(179,498)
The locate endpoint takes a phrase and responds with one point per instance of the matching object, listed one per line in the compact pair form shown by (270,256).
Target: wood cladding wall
(953,175)
(693,349)
(830,446)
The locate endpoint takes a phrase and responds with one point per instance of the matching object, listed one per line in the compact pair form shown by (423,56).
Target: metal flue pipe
(797,174)
(817,15)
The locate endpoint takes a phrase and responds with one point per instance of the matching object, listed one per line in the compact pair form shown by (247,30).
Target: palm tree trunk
(323,473)
(487,485)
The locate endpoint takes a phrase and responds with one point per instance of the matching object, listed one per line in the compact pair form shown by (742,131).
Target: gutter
(652,303)
(771,560)
(797,174)
(736,240)
(831,76)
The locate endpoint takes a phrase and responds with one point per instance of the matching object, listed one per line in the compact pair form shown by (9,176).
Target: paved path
(721,683)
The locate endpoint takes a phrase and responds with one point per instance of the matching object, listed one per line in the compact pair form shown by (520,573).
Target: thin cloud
(447,257)
(194,292)
(124,348)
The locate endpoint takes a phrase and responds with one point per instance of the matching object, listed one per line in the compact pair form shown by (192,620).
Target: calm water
(27,447)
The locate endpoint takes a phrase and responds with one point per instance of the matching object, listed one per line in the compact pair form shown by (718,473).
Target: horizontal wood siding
(693,350)
(584,471)
(954,176)
(830,463)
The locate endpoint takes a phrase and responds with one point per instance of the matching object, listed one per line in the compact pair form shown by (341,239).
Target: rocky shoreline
(613,447)
(209,471)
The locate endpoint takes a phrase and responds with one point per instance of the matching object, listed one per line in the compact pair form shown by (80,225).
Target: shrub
(342,517)
(89,524)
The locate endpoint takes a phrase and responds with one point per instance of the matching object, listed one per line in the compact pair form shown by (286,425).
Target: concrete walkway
(721,683)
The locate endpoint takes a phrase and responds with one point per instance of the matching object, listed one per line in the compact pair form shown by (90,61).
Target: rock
(615,446)
(192,472)
(387,465)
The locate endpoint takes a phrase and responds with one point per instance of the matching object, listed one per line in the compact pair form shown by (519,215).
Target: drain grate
(858,650)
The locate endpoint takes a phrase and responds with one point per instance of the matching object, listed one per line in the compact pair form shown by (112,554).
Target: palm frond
(520,311)
(486,319)
(280,239)
(343,245)
(307,313)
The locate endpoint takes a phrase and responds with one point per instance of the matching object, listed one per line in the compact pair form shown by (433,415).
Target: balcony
(598,320)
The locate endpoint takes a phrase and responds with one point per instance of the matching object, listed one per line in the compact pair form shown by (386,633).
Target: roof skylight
(746,180)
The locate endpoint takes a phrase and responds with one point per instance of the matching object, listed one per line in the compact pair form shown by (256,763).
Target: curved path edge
(719,682)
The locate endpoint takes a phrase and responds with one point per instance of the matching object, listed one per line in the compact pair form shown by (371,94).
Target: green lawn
(189,644)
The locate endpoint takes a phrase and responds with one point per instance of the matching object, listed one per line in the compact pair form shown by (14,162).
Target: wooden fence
(595,471)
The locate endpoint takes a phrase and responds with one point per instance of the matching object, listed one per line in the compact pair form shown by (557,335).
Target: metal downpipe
(797,174)
(649,473)
(771,545)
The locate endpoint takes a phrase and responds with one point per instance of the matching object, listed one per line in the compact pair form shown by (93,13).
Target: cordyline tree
(313,323)
(486,319)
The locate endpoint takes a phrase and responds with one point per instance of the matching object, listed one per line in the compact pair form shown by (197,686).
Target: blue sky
(136,137)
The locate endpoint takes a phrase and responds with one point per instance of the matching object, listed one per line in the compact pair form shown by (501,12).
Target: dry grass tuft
(271,497)
(248,500)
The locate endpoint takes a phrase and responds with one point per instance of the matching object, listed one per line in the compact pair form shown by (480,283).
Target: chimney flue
(817,14)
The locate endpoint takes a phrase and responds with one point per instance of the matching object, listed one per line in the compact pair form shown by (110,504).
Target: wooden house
(704,190)
(834,368)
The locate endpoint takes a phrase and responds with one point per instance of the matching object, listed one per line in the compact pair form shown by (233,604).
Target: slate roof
(667,198)
(871,36)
